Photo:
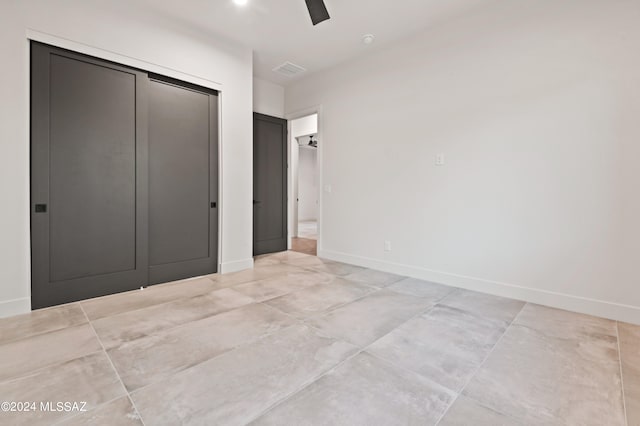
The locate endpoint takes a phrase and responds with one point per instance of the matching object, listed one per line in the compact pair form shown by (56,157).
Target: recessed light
(368,38)
(241,2)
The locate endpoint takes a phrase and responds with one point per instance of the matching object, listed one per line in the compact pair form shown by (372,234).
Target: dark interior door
(88,177)
(269,184)
(183,181)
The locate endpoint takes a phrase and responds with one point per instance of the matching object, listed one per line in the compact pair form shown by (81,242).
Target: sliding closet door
(183,181)
(88,177)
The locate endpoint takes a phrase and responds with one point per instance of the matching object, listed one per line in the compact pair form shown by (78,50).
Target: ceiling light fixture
(241,2)
(368,39)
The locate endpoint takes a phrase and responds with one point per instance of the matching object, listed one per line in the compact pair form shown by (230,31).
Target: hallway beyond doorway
(304,182)
(305,245)
(308,229)
(307,240)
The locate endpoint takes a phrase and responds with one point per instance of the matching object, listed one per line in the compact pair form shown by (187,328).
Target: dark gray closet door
(183,181)
(88,177)
(269,184)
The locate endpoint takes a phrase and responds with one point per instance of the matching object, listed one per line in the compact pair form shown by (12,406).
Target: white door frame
(292,205)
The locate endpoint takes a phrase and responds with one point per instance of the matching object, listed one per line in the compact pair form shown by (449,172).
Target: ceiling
(281,30)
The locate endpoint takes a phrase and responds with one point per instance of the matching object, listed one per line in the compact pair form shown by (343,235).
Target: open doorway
(305,184)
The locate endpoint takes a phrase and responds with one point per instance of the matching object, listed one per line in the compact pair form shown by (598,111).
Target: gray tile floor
(299,340)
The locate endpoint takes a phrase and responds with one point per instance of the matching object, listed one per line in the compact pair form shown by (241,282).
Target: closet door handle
(41,208)
(256,202)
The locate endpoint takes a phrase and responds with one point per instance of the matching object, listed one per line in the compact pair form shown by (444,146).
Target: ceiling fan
(317,10)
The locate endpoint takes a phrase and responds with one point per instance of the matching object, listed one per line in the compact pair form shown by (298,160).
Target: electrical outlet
(387,246)
(440,159)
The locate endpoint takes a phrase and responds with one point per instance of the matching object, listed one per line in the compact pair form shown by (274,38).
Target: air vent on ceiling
(288,69)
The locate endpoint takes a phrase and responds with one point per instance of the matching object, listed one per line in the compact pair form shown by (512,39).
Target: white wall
(307,183)
(536,106)
(118,29)
(268,98)
(304,126)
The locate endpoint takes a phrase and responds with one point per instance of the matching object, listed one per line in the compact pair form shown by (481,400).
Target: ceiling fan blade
(317,10)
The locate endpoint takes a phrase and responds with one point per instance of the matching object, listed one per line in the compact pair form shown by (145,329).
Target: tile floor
(302,341)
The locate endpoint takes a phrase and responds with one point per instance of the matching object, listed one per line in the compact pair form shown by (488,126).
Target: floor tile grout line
(114,368)
(358,352)
(335,367)
(306,322)
(240,346)
(456,393)
(624,399)
(408,370)
(254,301)
(187,280)
(483,405)
(335,308)
(48,366)
(150,288)
(184,324)
(62,421)
(374,290)
(322,314)
(42,333)
(473,375)
(298,320)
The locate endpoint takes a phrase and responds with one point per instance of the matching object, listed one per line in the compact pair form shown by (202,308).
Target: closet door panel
(93,170)
(89,177)
(182,182)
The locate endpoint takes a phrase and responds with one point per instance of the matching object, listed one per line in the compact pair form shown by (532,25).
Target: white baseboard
(599,308)
(13,307)
(236,265)
(9,308)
